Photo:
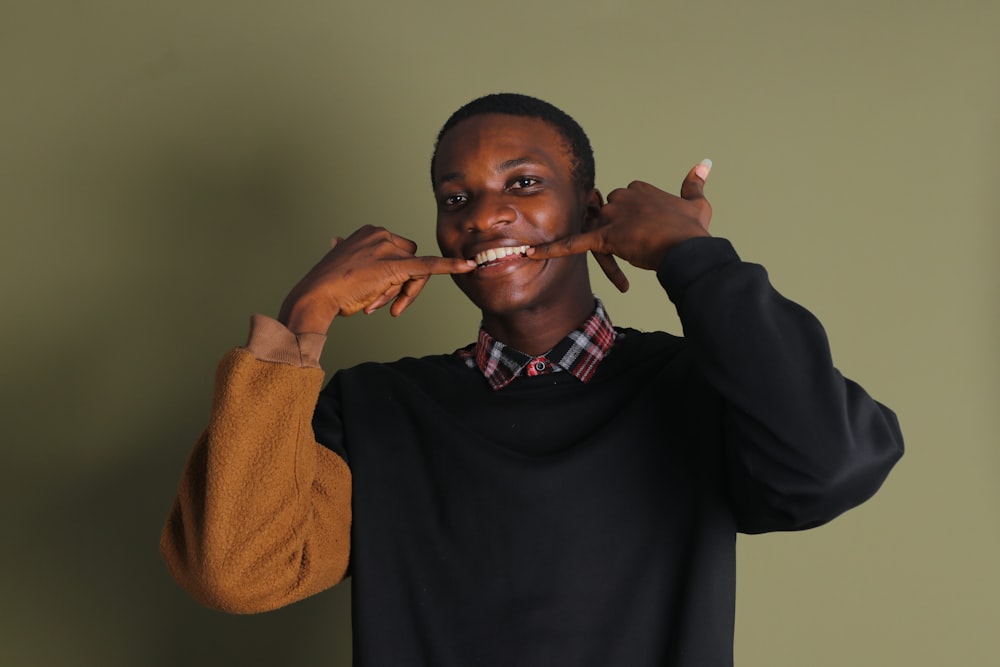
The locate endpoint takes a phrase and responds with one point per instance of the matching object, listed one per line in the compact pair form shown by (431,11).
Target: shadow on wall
(101,587)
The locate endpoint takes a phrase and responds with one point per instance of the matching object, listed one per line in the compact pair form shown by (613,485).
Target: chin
(525,285)
(496,301)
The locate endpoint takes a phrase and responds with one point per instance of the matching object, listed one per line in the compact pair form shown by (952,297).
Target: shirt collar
(579,353)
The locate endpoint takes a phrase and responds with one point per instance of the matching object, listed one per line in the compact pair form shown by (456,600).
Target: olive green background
(169,168)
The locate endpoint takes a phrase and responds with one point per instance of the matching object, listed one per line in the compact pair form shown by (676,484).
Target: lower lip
(503,266)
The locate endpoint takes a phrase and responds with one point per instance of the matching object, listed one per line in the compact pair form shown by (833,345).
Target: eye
(523,182)
(452,200)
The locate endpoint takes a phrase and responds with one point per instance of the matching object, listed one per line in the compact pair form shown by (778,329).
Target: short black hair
(515,104)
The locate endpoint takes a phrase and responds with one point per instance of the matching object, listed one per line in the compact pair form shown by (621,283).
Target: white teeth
(493,254)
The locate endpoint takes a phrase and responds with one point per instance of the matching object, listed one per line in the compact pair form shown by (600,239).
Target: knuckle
(374,233)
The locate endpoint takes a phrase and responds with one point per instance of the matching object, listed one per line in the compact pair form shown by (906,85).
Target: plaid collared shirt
(579,353)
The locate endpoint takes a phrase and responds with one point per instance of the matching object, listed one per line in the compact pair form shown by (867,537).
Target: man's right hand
(365,271)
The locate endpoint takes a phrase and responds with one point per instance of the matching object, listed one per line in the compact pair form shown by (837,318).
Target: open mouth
(495,256)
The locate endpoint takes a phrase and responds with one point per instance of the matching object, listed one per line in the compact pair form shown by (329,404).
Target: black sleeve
(327,424)
(803,443)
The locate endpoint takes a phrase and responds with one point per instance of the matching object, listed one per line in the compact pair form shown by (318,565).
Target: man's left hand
(640,224)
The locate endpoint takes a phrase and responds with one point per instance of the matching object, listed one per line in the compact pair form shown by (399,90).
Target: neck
(537,330)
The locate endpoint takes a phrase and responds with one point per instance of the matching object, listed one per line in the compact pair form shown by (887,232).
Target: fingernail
(703,169)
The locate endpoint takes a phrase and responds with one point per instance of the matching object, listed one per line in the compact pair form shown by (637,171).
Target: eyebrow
(500,168)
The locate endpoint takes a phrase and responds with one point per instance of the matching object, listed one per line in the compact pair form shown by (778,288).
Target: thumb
(694,183)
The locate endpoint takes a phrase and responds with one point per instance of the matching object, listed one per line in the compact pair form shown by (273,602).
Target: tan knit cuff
(270,340)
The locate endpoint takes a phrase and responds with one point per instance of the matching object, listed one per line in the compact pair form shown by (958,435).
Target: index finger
(574,244)
(414,267)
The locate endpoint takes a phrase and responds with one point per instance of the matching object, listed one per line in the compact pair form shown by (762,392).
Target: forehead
(488,140)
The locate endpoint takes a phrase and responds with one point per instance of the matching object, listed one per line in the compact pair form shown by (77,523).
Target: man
(561,492)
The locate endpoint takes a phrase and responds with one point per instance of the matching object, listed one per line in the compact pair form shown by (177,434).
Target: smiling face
(505,183)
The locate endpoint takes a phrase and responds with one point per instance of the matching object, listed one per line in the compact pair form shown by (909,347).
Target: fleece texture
(263,514)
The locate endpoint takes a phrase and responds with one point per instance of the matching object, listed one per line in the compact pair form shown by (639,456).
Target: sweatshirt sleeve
(263,513)
(803,443)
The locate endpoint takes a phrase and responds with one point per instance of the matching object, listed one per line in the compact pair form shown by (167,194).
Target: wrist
(300,316)
(665,248)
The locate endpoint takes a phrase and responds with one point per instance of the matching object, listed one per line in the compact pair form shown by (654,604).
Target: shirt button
(539,366)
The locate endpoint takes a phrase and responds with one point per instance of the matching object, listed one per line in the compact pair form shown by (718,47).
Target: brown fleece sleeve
(263,513)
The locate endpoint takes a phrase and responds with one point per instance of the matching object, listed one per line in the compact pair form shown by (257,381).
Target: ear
(592,213)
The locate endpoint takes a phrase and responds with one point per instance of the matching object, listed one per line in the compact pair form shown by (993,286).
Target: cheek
(558,223)
(444,239)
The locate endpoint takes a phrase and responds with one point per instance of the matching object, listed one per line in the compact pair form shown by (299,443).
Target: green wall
(169,168)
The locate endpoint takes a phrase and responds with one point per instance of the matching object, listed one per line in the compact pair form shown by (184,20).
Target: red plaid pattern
(579,353)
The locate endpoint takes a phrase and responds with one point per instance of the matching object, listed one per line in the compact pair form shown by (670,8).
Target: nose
(486,211)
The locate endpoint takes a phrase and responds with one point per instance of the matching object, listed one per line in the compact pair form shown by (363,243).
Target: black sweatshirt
(560,523)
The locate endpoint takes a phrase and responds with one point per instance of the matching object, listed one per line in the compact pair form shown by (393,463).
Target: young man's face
(505,182)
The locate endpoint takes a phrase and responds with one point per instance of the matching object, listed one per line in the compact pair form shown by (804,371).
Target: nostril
(484,215)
